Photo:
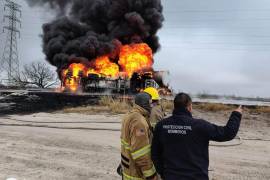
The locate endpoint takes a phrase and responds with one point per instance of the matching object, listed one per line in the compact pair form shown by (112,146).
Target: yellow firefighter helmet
(153,92)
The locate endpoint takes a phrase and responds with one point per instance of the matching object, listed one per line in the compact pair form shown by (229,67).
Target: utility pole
(10,59)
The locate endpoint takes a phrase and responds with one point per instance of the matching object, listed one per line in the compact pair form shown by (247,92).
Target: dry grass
(212,107)
(86,110)
(110,105)
(262,109)
(105,101)
(168,106)
(105,105)
(116,106)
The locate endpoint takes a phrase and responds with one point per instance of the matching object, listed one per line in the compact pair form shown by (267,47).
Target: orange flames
(104,66)
(135,58)
(132,58)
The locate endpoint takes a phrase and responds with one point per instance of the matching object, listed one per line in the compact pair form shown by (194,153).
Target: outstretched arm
(224,133)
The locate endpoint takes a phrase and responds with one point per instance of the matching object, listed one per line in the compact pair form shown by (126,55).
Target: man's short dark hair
(182,100)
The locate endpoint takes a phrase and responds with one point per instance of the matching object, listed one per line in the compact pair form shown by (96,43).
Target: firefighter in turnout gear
(136,137)
(157,111)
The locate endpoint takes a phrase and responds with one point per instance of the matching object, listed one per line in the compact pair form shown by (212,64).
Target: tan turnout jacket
(157,114)
(136,137)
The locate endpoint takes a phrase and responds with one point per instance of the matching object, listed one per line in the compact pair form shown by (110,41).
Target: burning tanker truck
(99,45)
(130,73)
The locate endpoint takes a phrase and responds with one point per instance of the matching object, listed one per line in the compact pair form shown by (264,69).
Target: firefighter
(136,137)
(181,142)
(157,111)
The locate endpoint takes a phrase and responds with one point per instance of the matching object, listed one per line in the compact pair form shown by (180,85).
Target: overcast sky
(213,46)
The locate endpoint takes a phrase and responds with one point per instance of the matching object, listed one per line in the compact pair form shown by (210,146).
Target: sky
(217,47)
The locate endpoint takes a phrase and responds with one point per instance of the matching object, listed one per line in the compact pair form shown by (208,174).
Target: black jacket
(180,145)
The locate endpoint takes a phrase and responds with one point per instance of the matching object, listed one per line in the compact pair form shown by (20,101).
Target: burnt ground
(25,102)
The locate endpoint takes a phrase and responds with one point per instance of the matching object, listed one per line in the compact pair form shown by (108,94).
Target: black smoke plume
(86,29)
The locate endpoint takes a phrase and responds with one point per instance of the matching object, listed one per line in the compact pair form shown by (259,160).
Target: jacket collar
(140,110)
(181,112)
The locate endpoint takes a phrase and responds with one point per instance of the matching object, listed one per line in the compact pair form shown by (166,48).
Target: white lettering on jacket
(177,129)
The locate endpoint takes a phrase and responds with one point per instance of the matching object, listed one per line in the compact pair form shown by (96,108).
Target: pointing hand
(239,109)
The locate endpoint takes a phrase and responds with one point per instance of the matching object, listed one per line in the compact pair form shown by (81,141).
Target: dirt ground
(57,146)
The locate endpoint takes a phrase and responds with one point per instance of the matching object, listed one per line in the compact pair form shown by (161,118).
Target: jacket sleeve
(223,133)
(156,151)
(140,148)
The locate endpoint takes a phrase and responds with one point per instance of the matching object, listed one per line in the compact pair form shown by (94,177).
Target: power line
(10,59)
(221,35)
(233,20)
(181,46)
(216,11)
(221,43)
(165,27)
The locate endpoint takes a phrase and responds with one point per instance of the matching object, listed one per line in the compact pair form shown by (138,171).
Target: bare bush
(36,73)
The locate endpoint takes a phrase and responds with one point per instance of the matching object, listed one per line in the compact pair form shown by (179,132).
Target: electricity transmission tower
(10,59)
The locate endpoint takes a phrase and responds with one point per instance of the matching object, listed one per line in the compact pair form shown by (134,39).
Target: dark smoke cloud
(96,27)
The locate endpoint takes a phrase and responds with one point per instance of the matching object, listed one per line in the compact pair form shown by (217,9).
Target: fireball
(135,58)
(106,67)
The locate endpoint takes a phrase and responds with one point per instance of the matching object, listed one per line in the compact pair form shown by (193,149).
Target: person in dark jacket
(180,143)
